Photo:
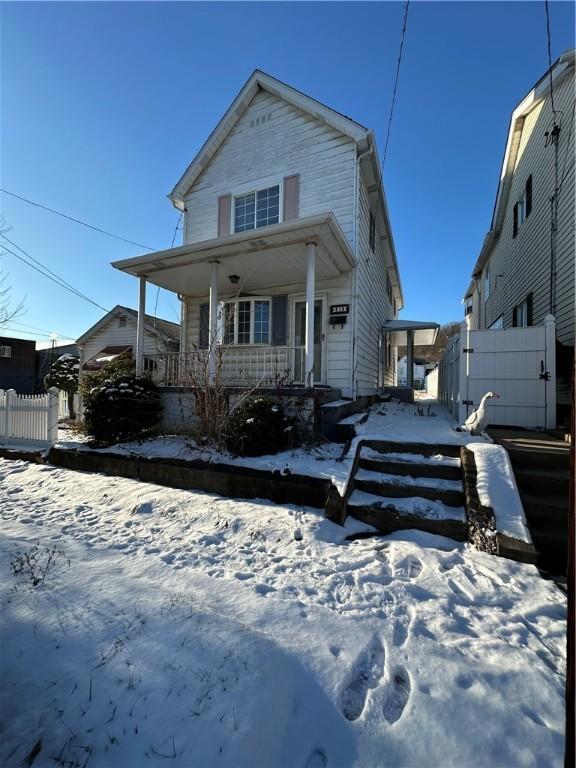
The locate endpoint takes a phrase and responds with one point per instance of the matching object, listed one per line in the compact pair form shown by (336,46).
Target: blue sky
(105,104)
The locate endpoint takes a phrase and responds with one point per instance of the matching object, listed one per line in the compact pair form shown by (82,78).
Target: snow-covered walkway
(205,631)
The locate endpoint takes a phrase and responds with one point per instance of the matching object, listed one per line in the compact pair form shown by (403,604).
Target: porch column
(310,292)
(410,359)
(213,321)
(140,325)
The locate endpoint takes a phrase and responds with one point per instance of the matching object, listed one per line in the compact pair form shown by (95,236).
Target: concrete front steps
(399,486)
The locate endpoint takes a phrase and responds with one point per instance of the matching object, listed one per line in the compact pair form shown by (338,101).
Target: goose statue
(477,422)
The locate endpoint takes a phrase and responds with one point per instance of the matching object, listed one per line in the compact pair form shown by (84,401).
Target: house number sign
(340,309)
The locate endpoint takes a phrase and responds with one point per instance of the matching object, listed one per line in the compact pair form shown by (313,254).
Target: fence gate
(519,364)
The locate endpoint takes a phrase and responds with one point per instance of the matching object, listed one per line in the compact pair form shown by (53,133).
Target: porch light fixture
(234,279)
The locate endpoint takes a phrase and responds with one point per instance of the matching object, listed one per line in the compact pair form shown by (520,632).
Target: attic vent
(121,321)
(261,119)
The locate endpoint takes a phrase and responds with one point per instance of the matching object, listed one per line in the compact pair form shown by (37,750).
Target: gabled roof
(260,81)
(539,92)
(154,325)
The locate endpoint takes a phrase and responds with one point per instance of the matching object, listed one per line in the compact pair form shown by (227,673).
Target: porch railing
(235,367)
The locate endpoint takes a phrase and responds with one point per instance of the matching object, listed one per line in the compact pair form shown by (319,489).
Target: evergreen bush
(259,426)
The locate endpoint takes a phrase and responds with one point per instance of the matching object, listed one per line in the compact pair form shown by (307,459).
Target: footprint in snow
(398,694)
(402,622)
(317,759)
(366,674)
(409,568)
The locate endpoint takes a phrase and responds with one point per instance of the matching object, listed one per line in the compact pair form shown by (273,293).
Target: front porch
(243,332)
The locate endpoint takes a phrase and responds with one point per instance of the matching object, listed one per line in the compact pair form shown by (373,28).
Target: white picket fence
(29,418)
(519,364)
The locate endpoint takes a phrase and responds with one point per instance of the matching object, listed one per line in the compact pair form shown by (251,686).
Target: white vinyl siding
(374,306)
(290,142)
(111,335)
(522,263)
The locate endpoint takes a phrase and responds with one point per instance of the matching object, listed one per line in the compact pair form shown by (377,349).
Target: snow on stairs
(400,485)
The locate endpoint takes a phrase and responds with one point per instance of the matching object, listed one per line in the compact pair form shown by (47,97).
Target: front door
(299,330)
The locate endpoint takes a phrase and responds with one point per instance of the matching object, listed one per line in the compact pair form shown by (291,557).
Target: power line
(77,221)
(44,330)
(549,39)
(396,81)
(171,246)
(58,281)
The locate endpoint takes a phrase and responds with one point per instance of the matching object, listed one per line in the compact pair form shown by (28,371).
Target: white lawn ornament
(477,422)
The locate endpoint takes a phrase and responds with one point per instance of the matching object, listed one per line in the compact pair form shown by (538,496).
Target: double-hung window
(257,209)
(246,321)
(523,207)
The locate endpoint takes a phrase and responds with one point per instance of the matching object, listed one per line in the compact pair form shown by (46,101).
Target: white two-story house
(525,270)
(288,270)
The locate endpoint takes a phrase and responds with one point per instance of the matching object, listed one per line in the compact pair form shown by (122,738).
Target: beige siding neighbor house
(525,270)
(288,270)
(115,333)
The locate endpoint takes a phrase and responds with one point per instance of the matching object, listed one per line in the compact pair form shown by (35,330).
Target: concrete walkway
(541,466)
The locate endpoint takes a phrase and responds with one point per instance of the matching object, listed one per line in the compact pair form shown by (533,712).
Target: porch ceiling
(261,258)
(424,333)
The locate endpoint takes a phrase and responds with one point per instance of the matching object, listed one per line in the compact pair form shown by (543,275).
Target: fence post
(464,370)
(10,400)
(550,368)
(53,407)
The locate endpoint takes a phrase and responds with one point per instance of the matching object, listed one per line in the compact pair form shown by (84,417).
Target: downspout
(355,271)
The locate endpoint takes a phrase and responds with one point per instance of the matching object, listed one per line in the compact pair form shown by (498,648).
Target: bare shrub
(36,564)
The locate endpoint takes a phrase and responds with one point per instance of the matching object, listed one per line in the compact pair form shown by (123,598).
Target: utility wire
(396,83)
(58,281)
(549,39)
(171,246)
(77,221)
(44,330)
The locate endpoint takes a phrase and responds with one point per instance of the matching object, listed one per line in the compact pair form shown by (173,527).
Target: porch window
(246,321)
(257,209)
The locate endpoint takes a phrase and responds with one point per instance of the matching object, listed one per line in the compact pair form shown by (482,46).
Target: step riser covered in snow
(408,468)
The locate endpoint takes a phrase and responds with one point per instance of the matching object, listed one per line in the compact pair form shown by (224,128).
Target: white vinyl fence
(63,409)
(29,418)
(518,364)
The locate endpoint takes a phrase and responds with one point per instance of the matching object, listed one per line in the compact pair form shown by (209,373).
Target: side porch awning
(407,333)
(252,260)
(422,334)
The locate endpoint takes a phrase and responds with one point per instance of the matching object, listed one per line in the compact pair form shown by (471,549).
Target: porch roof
(424,333)
(248,255)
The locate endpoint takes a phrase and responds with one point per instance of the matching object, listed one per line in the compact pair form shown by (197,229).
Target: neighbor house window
(522,207)
(122,321)
(5,351)
(487,284)
(522,313)
(498,323)
(257,209)
(246,321)
(372,232)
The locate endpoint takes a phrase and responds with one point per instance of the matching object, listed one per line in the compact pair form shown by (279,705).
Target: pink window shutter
(224,210)
(291,195)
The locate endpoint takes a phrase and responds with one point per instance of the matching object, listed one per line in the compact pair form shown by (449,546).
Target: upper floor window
(246,321)
(5,351)
(469,307)
(122,321)
(389,287)
(257,209)
(522,207)
(497,324)
(487,284)
(372,237)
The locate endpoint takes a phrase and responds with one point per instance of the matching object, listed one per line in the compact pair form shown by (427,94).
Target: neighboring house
(17,364)
(115,334)
(45,358)
(525,269)
(421,367)
(288,265)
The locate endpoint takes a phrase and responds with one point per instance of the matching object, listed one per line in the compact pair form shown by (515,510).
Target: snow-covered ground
(185,629)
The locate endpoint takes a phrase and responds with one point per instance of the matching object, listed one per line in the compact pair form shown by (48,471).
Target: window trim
(3,349)
(255,187)
(236,302)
